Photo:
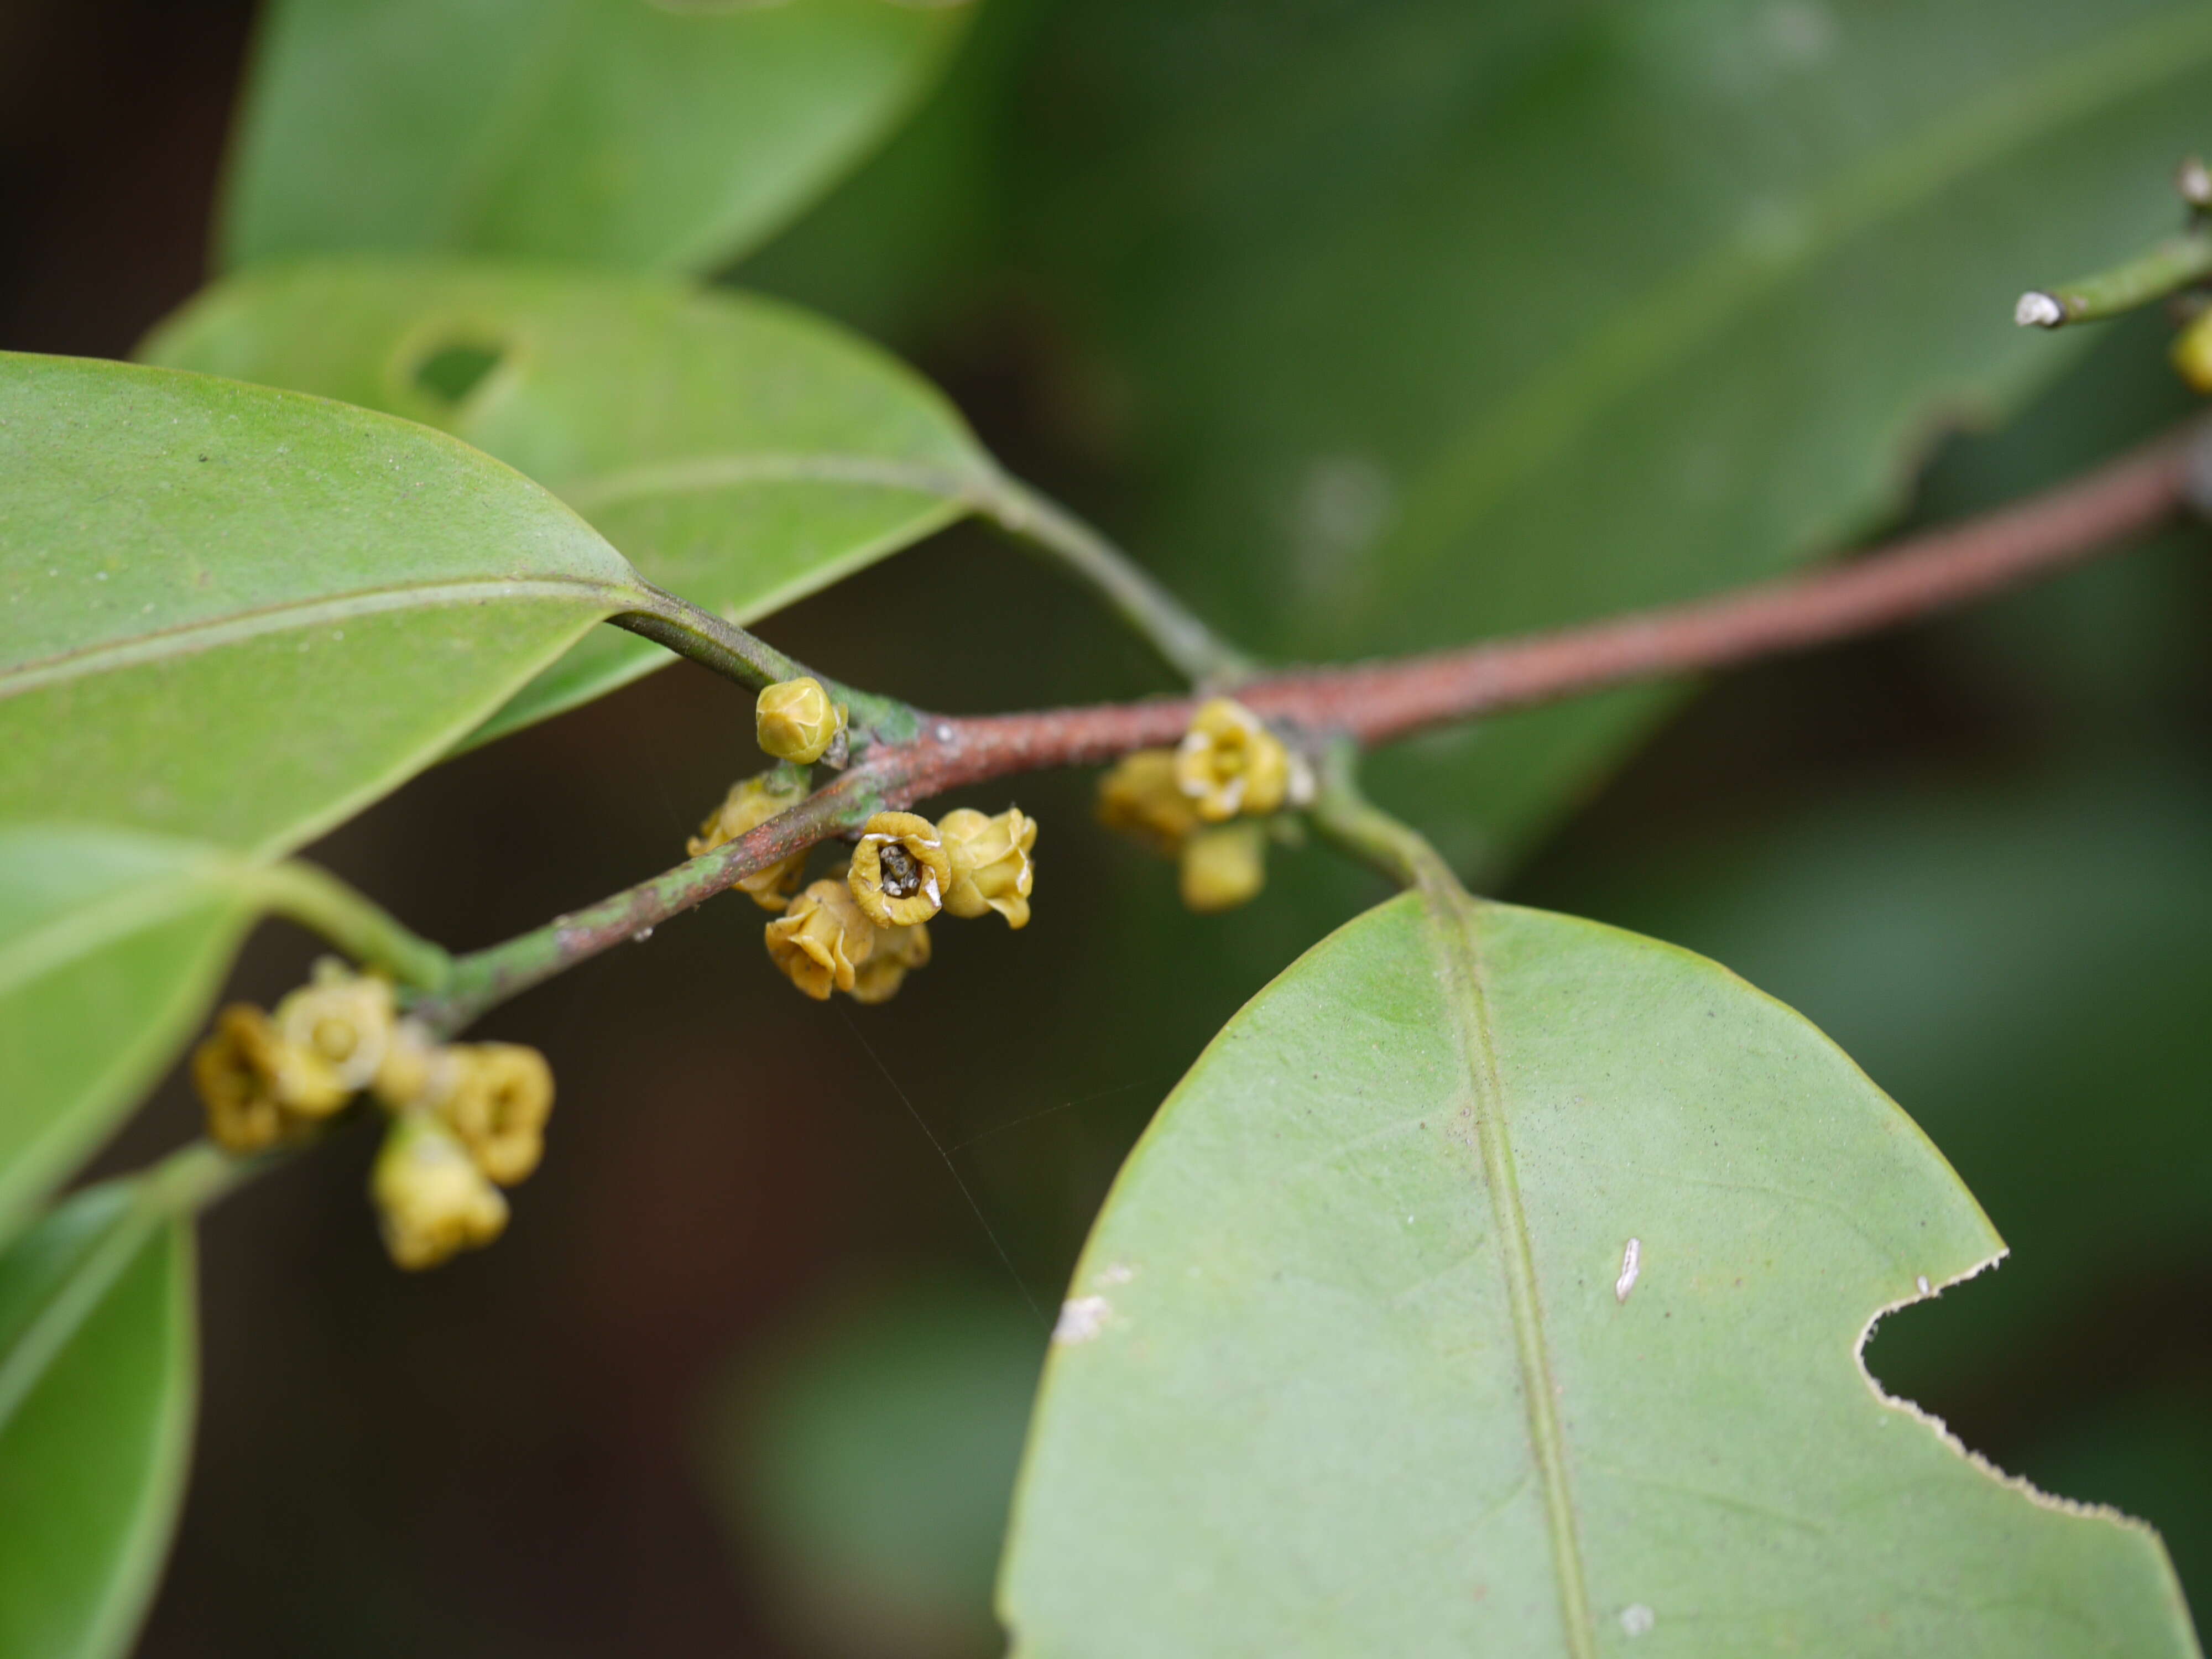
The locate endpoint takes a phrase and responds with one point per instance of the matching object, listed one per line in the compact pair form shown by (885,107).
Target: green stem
(320,902)
(1187,644)
(483,979)
(676,625)
(1347,817)
(2172,265)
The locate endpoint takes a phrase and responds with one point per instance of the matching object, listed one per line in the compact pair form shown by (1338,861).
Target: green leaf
(612,132)
(740,452)
(96,1393)
(1428,321)
(111,946)
(1352,1366)
(237,614)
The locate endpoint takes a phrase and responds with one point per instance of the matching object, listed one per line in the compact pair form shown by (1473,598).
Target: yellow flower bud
(900,870)
(1224,868)
(497,1103)
(1140,797)
(345,1017)
(898,950)
(257,1087)
(2192,353)
(991,865)
(822,940)
(432,1200)
(414,1067)
(795,720)
(750,803)
(1229,763)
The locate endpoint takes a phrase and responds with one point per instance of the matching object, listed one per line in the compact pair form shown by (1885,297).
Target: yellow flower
(345,1017)
(497,1103)
(822,940)
(432,1200)
(795,720)
(1140,797)
(900,870)
(257,1087)
(897,951)
(750,803)
(1224,868)
(1230,763)
(414,1067)
(991,865)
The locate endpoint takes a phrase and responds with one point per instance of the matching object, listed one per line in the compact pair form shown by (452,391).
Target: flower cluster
(1206,802)
(863,934)
(469,1117)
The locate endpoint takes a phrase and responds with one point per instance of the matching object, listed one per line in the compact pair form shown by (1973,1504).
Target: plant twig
(676,624)
(1184,642)
(1364,705)
(2173,264)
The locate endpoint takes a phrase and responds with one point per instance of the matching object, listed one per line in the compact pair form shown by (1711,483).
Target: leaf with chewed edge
(1494,1284)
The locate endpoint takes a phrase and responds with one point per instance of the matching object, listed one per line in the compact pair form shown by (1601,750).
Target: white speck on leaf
(1081,1318)
(1631,1264)
(2037,309)
(1922,1283)
(1117,1272)
(1636,1619)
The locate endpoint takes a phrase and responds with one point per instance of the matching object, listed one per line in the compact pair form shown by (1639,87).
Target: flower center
(901,876)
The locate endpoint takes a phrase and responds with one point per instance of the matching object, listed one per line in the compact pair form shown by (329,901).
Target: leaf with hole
(236,614)
(1440,320)
(1494,1284)
(97,1344)
(612,132)
(740,452)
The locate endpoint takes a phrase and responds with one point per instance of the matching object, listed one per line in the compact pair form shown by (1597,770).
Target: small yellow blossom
(750,803)
(898,950)
(1139,797)
(900,870)
(433,1201)
(257,1088)
(795,720)
(992,869)
(345,1017)
(1230,763)
(1224,868)
(822,940)
(496,1104)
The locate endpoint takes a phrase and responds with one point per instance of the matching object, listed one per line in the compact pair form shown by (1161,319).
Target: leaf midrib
(701,475)
(1453,917)
(187,639)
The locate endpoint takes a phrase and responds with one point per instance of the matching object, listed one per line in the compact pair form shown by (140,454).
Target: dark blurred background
(749,1371)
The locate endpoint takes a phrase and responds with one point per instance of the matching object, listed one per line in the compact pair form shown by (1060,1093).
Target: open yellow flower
(992,869)
(1230,763)
(821,941)
(750,803)
(900,870)
(257,1087)
(433,1201)
(347,1018)
(898,951)
(500,1096)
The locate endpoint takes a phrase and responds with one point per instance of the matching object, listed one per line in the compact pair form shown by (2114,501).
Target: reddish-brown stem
(1376,703)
